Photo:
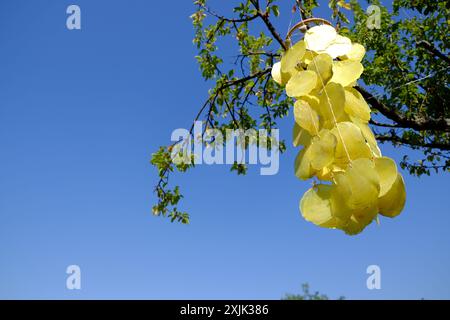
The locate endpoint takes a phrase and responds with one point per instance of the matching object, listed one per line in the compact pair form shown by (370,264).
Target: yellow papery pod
(318,38)
(313,99)
(300,136)
(352,84)
(276,73)
(356,53)
(302,165)
(301,83)
(321,150)
(315,206)
(322,65)
(292,57)
(367,215)
(339,47)
(350,140)
(331,122)
(278,76)
(387,173)
(325,174)
(369,136)
(346,72)
(359,184)
(355,226)
(355,105)
(393,202)
(306,117)
(332,102)
(339,206)
(307,58)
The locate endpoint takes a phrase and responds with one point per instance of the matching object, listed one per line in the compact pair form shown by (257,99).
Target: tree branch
(300,9)
(403,141)
(233,20)
(265,18)
(417,124)
(385,125)
(430,48)
(227,84)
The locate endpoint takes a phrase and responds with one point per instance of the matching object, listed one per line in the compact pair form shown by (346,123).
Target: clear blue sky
(80,114)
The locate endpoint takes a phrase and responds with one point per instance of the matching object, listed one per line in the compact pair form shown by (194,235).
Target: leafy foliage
(409,62)
(307,295)
(405,78)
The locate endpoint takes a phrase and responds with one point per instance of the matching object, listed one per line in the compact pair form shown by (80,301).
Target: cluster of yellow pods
(331,124)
